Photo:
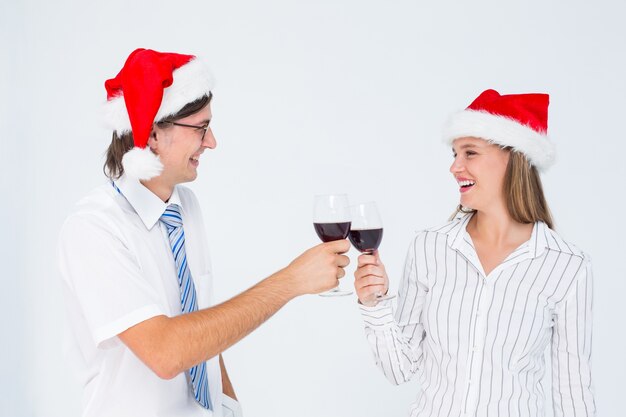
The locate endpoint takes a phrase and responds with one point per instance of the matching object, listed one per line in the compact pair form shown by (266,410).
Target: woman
(484,296)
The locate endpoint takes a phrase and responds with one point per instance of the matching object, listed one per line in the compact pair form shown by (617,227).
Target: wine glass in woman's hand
(366,232)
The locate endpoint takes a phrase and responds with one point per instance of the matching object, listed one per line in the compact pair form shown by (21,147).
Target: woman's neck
(498,228)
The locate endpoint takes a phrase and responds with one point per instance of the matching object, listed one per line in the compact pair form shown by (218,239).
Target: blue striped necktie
(174,224)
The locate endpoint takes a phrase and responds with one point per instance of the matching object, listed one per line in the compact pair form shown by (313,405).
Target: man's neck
(159,187)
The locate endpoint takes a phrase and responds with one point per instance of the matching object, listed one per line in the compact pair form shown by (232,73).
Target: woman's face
(479,168)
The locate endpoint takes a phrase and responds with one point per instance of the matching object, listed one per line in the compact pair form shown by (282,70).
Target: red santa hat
(519,121)
(150,87)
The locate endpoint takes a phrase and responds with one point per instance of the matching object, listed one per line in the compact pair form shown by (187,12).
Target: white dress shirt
(475,342)
(118,270)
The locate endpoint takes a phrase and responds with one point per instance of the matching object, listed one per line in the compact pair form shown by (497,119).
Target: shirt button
(475,348)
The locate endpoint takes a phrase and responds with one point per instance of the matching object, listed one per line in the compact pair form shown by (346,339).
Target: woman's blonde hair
(523,191)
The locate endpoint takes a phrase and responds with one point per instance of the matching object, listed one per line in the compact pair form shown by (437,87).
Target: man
(135,264)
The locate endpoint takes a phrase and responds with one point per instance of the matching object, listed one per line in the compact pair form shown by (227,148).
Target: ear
(153,139)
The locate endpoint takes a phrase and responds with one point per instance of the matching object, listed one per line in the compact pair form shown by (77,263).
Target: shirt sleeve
(396,337)
(572,392)
(105,278)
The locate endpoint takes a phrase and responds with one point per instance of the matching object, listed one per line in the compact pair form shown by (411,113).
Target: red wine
(366,240)
(332,231)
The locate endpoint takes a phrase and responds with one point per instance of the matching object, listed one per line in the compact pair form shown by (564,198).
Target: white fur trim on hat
(504,131)
(190,82)
(141,163)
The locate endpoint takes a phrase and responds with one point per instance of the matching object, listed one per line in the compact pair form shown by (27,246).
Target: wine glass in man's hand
(331,219)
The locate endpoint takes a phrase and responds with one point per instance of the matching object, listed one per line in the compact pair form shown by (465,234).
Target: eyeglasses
(203,128)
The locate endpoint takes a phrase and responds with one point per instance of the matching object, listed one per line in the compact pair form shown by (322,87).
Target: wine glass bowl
(327,232)
(366,240)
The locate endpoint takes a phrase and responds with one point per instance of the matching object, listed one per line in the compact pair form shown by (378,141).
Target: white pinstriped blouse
(476,343)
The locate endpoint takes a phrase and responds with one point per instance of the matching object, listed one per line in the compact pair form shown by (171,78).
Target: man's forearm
(206,333)
(172,345)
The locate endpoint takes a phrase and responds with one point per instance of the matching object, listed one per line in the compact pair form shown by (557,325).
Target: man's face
(180,147)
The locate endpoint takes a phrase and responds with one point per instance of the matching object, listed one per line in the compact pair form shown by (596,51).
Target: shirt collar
(148,206)
(536,245)
(549,239)
(456,230)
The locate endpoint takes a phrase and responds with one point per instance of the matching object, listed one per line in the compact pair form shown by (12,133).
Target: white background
(312,97)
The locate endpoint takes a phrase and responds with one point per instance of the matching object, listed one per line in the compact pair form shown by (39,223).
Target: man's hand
(370,279)
(319,268)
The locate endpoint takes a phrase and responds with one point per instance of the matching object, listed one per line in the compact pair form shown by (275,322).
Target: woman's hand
(370,279)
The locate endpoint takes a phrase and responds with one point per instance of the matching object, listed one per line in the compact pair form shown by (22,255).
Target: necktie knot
(171,217)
